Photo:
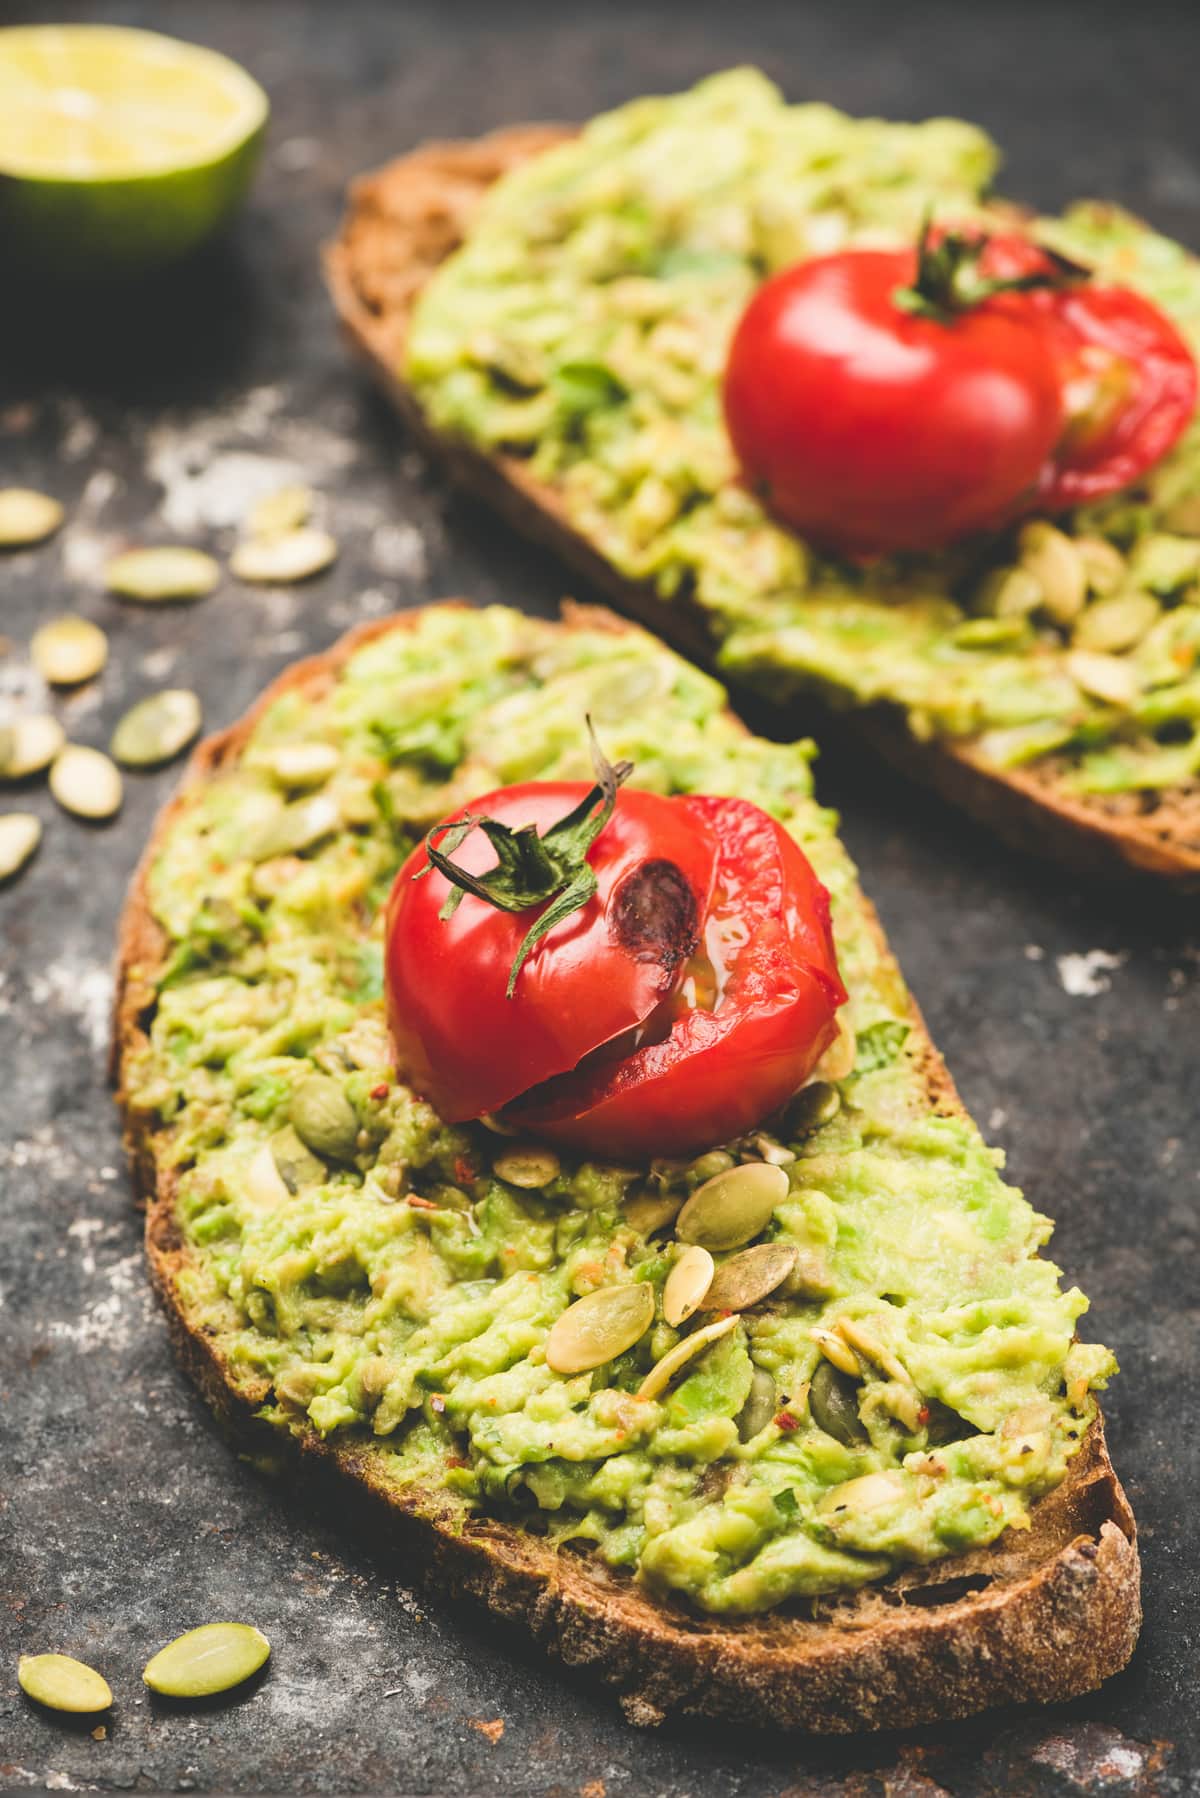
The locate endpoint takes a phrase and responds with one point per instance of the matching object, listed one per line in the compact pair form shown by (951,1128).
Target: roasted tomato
(896,400)
(628,974)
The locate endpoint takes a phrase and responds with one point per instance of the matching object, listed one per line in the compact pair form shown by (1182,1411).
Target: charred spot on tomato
(653,914)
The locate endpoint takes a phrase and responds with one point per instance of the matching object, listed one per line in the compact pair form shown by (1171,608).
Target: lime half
(120,150)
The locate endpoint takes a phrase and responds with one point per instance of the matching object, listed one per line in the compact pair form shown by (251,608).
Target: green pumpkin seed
(991,633)
(833,1405)
(277,513)
(732,1208)
(68,650)
(297,764)
(1103,563)
(527,1166)
(29,745)
(599,1327)
(1116,623)
(813,1107)
(62,1683)
(1008,593)
(264,1186)
(748,1278)
(86,783)
(150,575)
(1103,677)
(1051,558)
(278,560)
(686,1284)
(324,1119)
(647,1212)
(705,1167)
(760,1405)
(664,1371)
(298,826)
(298,1166)
(211,1659)
(27,517)
(157,728)
(20,834)
(838,1061)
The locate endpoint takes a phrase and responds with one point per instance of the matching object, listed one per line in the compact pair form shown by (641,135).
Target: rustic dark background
(1069,1012)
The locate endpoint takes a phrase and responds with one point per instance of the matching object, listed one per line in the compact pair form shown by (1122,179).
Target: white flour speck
(295,154)
(1034,952)
(1086,976)
(107,1323)
(82,990)
(398,550)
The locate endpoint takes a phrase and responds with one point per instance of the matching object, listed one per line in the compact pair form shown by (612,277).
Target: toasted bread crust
(401,223)
(1043,1614)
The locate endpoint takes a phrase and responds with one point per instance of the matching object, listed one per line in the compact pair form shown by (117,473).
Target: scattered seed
(686,1284)
(812,1108)
(85,782)
(207,1660)
(833,1405)
(1052,559)
(767,1149)
(748,1278)
(647,1212)
(298,827)
(990,633)
(835,1349)
(867,1493)
(150,575)
(298,1166)
(324,1119)
(27,517)
(1008,593)
(20,834)
(265,1186)
(62,1683)
(837,1063)
(599,1327)
(527,1166)
(29,745)
(862,1340)
(732,1208)
(298,764)
(759,1407)
(293,557)
(68,650)
(706,1166)
(157,728)
(277,513)
(664,1371)
(1104,677)
(1116,623)
(1103,563)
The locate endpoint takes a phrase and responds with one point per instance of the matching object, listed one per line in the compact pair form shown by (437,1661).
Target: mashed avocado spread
(584,324)
(394,1279)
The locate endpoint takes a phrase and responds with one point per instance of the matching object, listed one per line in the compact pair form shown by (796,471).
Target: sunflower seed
(20,834)
(837,1063)
(1116,623)
(833,1405)
(759,1407)
(686,1285)
(297,764)
(276,513)
(664,1371)
(527,1166)
(324,1119)
(1051,558)
(867,1493)
(27,517)
(68,650)
(85,782)
(647,1212)
(292,557)
(157,728)
(732,1208)
(207,1660)
(599,1327)
(1103,677)
(62,1683)
(837,1350)
(150,575)
(265,1186)
(29,745)
(746,1279)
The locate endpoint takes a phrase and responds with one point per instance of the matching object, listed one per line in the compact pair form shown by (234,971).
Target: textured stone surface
(1070,1017)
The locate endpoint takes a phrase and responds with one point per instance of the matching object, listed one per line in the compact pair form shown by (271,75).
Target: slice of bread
(1042,1614)
(402,222)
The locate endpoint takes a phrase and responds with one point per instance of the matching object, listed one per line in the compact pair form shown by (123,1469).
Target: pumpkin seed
(207,1660)
(298,1166)
(150,575)
(867,1493)
(746,1279)
(1008,593)
(20,834)
(686,1284)
(767,1149)
(29,745)
(990,633)
(1116,623)
(293,557)
(732,1208)
(298,764)
(599,1327)
(759,1407)
(265,1185)
(85,782)
(276,513)
(156,729)
(647,1212)
(298,827)
(1103,677)
(527,1166)
(837,1063)
(1103,563)
(68,650)
(1051,558)
(811,1108)
(664,1371)
(27,517)
(324,1119)
(705,1166)
(62,1683)
(833,1405)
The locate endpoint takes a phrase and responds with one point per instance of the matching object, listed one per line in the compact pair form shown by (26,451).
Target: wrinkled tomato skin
(460,1041)
(872,430)
(718,1073)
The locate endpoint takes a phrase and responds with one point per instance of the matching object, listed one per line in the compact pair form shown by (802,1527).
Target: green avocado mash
(584,324)
(915,1390)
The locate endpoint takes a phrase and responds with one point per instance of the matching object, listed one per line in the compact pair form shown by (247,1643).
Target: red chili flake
(464,1173)
(419,1204)
(786,1422)
(923,1415)
(381,1091)
(457,1461)
(437,1403)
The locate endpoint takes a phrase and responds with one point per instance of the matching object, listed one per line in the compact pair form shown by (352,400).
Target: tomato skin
(718,1072)
(461,1042)
(872,430)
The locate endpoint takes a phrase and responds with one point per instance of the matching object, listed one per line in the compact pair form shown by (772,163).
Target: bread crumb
(1085,976)
(492,1729)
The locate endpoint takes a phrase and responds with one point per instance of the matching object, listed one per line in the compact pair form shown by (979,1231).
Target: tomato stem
(530,869)
(948,282)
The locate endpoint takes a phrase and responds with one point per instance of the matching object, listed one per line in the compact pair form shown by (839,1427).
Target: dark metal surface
(1070,1015)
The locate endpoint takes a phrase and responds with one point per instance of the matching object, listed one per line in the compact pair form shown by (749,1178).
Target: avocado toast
(919,1521)
(550,311)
